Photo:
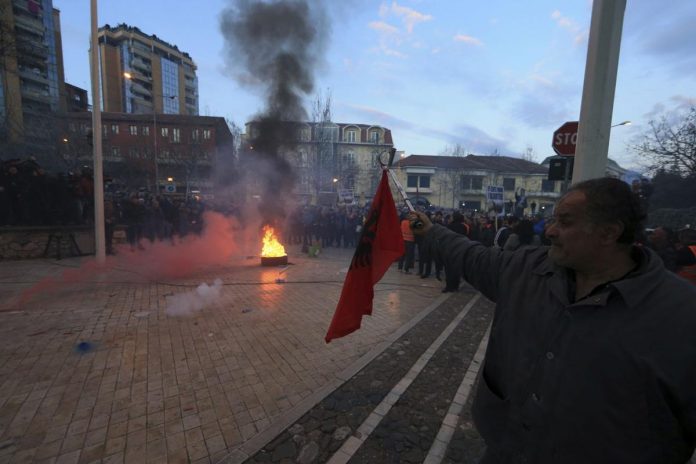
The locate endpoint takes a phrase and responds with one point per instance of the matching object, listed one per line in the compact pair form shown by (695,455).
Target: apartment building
(142,73)
(331,160)
(32,83)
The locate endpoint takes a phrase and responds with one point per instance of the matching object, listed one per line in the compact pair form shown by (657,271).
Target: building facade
(462,182)
(141,73)
(32,85)
(169,154)
(333,161)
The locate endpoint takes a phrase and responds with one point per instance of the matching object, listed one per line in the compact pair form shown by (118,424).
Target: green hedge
(673,218)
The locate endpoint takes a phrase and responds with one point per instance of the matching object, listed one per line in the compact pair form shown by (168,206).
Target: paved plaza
(96,371)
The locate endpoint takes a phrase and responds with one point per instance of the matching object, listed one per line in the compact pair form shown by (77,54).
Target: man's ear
(609,233)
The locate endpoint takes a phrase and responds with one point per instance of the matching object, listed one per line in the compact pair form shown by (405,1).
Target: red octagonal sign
(564,139)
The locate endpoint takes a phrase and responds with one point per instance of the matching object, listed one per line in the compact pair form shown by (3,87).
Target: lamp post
(129,76)
(98,174)
(625,123)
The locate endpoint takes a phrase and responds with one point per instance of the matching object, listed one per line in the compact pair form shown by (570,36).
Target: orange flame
(271,246)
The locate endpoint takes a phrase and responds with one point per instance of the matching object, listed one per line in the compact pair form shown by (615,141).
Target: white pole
(99,235)
(598,89)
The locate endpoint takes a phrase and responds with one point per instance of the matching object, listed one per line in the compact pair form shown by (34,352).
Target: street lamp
(129,76)
(625,123)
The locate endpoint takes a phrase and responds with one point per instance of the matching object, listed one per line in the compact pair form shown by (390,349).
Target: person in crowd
(134,218)
(110,221)
(425,260)
(687,254)
(504,231)
(592,353)
(522,236)
(453,274)
(407,259)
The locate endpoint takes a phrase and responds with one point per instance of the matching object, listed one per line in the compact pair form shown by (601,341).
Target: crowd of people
(31,197)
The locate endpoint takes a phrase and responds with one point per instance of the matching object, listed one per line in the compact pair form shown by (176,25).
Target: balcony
(139,89)
(139,64)
(31,24)
(34,75)
(36,95)
(35,49)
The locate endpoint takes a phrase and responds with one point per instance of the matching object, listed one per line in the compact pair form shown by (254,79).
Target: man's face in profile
(573,242)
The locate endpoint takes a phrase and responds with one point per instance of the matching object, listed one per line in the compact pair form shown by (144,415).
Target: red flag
(380,244)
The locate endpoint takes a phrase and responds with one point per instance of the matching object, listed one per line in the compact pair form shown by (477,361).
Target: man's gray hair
(610,200)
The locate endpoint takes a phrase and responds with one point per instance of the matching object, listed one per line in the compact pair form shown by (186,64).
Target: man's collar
(634,288)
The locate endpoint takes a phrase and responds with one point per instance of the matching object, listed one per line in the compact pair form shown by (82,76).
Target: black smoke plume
(275,46)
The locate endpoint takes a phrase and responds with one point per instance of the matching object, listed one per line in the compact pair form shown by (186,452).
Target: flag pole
(417,224)
(392,176)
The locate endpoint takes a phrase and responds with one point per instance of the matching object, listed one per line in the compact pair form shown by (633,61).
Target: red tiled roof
(475,162)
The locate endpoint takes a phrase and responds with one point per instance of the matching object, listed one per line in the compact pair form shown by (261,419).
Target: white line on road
(444,436)
(354,442)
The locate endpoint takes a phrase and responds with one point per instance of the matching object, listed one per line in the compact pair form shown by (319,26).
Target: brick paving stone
(248,358)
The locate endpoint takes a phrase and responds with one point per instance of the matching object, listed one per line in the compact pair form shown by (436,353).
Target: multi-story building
(75,98)
(332,160)
(142,73)
(462,181)
(31,76)
(173,152)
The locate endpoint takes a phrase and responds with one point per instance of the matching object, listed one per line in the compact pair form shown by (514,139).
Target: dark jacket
(608,379)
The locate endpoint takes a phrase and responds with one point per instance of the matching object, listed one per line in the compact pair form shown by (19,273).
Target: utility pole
(98,174)
(592,147)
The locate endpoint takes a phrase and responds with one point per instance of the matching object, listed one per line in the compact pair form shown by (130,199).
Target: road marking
(351,445)
(439,447)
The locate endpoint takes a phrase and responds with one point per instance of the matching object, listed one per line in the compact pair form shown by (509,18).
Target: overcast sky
(500,75)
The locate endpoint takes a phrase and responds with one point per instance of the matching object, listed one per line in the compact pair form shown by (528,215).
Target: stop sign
(564,139)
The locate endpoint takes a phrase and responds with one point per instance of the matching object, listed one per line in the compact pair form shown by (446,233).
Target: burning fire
(271,246)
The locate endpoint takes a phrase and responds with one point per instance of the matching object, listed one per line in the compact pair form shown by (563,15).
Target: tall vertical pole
(99,235)
(154,118)
(591,152)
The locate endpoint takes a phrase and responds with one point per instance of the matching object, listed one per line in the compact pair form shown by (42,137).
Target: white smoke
(186,304)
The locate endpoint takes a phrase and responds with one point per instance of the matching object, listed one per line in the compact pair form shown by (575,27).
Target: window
(418,181)
(114,128)
(374,136)
(145,130)
(472,182)
(165,132)
(349,158)
(133,153)
(350,136)
(104,130)
(133,130)
(84,129)
(206,134)
(195,135)
(509,184)
(176,135)
(71,127)
(115,151)
(548,185)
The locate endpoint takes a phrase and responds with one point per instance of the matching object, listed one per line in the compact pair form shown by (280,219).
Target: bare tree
(456,149)
(669,145)
(325,159)
(529,154)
